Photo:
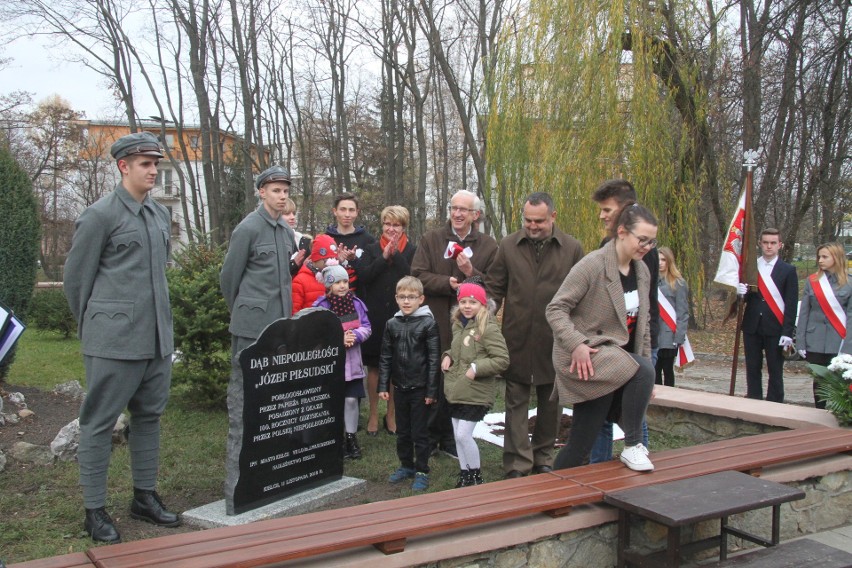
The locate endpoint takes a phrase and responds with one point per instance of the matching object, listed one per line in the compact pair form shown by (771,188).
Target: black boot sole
(139,517)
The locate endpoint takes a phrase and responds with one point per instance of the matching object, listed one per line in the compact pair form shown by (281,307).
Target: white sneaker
(636,458)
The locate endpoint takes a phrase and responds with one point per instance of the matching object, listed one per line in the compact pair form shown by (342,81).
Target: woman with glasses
(602,341)
(381,266)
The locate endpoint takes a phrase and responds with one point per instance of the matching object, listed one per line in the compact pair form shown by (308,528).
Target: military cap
(136,144)
(275,173)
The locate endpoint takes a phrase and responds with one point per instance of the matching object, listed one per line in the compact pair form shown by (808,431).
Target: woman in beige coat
(602,341)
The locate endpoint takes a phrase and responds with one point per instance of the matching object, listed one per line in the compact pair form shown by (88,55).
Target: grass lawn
(42,506)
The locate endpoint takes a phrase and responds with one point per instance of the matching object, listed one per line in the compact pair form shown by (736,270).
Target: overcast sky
(35,70)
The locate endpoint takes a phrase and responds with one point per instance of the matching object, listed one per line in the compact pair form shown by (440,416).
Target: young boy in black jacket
(410,357)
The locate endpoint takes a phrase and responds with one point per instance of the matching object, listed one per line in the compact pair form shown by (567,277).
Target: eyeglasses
(456,209)
(644,242)
(406,298)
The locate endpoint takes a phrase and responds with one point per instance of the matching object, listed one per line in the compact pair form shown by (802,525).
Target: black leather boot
(464,479)
(476,477)
(147,506)
(100,527)
(353,450)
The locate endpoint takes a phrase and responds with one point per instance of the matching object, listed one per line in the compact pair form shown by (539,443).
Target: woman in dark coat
(379,269)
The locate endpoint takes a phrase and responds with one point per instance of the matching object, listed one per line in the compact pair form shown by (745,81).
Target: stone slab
(213,514)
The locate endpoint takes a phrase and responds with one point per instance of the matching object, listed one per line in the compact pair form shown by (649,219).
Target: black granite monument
(293,380)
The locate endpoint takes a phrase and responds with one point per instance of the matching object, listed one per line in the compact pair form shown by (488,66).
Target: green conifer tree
(20,234)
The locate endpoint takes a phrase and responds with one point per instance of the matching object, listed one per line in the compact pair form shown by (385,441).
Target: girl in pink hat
(477,355)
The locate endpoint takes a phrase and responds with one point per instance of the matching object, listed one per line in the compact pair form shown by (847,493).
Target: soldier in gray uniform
(255,281)
(115,282)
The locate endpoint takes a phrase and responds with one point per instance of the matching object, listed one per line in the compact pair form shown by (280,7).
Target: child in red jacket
(306,288)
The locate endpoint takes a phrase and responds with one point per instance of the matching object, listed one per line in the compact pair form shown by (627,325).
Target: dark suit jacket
(758,318)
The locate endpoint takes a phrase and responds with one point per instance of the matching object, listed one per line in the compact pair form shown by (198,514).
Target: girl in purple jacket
(356,329)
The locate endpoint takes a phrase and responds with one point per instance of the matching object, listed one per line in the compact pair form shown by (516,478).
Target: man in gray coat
(115,282)
(256,284)
(528,270)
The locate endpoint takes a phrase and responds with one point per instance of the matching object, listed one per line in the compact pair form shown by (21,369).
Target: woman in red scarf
(379,269)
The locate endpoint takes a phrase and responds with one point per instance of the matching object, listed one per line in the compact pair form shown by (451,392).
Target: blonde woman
(825,310)
(674,316)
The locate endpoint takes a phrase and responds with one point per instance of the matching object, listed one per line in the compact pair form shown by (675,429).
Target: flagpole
(749,162)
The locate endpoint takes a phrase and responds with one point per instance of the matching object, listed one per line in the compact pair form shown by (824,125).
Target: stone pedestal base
(213,515)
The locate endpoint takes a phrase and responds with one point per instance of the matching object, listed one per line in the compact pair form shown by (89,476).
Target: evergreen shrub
(49,311)
(201,317)
(20,234)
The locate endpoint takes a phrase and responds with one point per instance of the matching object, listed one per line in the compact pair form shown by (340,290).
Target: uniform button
(600,332)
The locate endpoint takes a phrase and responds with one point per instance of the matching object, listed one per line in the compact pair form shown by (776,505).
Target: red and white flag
(685,356)
(737,261)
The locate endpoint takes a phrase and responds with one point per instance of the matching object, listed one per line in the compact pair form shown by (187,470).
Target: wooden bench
(384,524)
(387,525)
(791,554)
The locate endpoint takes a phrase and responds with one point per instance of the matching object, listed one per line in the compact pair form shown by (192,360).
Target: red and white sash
(669,316)
(770,292)
(667,311)
(834,312)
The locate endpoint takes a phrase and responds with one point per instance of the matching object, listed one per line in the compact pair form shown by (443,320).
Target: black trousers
(412,429)
(626,406)
(441,433)
(756,346)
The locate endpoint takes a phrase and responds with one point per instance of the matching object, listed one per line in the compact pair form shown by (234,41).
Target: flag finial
(750,159)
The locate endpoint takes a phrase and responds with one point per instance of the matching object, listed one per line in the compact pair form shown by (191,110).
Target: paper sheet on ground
(484,428)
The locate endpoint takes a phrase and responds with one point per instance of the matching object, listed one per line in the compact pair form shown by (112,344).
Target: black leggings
(589,416)
(819,359)
(665,366)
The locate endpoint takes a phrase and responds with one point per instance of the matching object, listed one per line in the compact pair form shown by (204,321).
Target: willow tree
(589,91)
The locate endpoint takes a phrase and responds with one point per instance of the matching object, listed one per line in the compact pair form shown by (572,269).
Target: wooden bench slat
(74,560)
(466,508)
(258,553)
(364,510)
(741,454)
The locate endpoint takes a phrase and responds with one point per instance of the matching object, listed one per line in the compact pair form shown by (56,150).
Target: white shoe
(636,458)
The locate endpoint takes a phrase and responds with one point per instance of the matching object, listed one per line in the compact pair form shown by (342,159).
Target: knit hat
(324,247)
(332,274)
(472,290)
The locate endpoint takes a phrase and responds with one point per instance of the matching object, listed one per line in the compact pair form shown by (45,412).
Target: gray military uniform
(115,282)
(255,277)
(256,284)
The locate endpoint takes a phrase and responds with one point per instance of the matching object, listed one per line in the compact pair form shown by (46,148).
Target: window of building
(164,180)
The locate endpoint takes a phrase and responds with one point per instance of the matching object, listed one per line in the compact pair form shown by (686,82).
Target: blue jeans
(602,448)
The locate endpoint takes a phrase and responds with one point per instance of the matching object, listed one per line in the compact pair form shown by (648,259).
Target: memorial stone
(293,381)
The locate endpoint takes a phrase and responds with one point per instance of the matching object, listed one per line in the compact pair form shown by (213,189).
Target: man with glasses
(445,258)
(770,318)
(528,270)
(611,197)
